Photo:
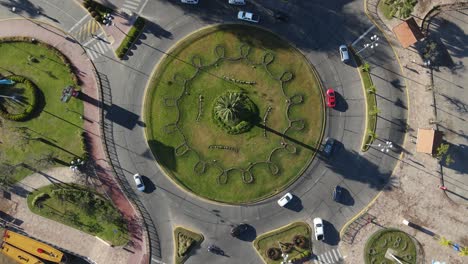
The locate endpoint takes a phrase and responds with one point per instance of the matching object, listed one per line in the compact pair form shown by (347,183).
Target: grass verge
(185,240)
(399,241)
(131,37)
(284,235)
(371,102)
(54,130)
(82,209)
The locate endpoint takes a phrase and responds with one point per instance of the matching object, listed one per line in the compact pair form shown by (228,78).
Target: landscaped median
(391,242)
(185,240)
(131,37)
(293,239)
(371,102)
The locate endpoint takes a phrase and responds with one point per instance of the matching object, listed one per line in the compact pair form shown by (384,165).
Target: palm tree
(228,107)
(371,89)
(445,242)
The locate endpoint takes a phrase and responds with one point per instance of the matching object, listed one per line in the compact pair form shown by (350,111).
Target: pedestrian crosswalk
(329,257)
(131,6)
(96,49)
(84,29)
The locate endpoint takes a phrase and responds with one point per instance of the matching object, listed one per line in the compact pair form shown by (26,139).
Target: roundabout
(234,112)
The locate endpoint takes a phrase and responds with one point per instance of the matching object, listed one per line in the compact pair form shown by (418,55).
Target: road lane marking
(363,35)
(77,23)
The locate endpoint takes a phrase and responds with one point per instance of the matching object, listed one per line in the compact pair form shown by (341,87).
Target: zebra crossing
(84,29)
(329,257)
(131,6)
(96,49)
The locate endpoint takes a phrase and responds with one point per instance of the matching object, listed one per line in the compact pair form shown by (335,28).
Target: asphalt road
(317,28)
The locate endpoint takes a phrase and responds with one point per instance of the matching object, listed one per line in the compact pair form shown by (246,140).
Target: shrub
(39,199)
(29,110)
(131,37)
(273,253)
(94,14)
(300,241)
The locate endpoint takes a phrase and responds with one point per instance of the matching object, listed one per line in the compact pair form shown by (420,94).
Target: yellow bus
(19,256)
(32,246)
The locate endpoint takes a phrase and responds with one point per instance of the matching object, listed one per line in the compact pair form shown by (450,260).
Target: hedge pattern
(202,164)
(32,104)
(131,37)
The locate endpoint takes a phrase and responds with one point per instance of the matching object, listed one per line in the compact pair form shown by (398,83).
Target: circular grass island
(234,114)
(400,244)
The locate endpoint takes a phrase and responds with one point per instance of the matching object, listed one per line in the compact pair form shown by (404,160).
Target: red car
(331,102)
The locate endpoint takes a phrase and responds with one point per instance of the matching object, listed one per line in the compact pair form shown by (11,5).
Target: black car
(337,193)
(238,230)
(278,15)
(328,147)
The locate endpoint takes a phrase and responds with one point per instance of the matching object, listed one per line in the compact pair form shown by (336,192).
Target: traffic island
(185,240)
(289,243)
(390,246)
(234,114)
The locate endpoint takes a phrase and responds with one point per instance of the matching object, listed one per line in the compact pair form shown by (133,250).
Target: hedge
(32,104)
(131,37)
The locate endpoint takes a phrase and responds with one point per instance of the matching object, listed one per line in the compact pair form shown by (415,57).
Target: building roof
(408,33)
(428,138)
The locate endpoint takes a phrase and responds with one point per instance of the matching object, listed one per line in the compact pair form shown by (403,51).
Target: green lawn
(194,115)
(283,235)
(86,211)
(185,240)
(379,242)
(54,130)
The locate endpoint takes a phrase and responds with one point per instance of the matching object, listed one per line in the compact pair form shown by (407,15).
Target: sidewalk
(413,192)
(85,72)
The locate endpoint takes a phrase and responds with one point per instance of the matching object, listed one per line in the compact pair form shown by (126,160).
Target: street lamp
(372,44)
(383,147)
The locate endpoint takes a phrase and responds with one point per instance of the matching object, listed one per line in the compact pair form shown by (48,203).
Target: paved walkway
(92,113)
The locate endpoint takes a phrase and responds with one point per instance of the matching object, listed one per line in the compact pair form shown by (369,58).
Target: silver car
(344,53)
(139,182)
(236,2)
(191,2)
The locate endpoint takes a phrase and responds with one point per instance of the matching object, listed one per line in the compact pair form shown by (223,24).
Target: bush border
(382,232)
(131,37)
(30,109)
(197,237)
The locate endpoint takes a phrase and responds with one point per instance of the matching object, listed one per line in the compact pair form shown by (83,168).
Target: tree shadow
(295,141)
(165,154)
(248,235)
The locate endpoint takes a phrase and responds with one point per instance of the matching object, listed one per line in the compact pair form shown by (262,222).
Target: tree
(371,89)
(445,242)
(374,111)
(442,154)
(228,107)
(366,67)
(6,172)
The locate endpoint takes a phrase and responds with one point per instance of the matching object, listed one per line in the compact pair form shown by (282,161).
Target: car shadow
(149,185)
(295,204)
(341,104)
(346,197)
(248,235)
(332,236)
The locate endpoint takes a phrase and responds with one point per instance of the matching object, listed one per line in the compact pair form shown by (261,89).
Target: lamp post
(383,147)
(372,44)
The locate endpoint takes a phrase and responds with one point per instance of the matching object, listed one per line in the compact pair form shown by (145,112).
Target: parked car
(236,2)
(247,16)
(328,147)
(285,199)
(331,100)
(337,193)
(191,2)
(344,53)
(318,228)
(139,182)
(239,229)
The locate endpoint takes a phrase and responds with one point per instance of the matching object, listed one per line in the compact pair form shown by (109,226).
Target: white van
(236,2)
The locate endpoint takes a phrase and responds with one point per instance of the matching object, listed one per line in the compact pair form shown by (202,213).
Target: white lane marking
(143,6)
(157,261)
(131,4)
(363,35)
(98,46)
(130,7)
(326,256)
(339,254)
(92,55)
(78,23)
(336,255)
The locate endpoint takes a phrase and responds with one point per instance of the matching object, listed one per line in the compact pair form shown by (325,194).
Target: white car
(344,53)
(318,228)
(285,199)
(191,2)
(139,182)
(236,2)
(247,16)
